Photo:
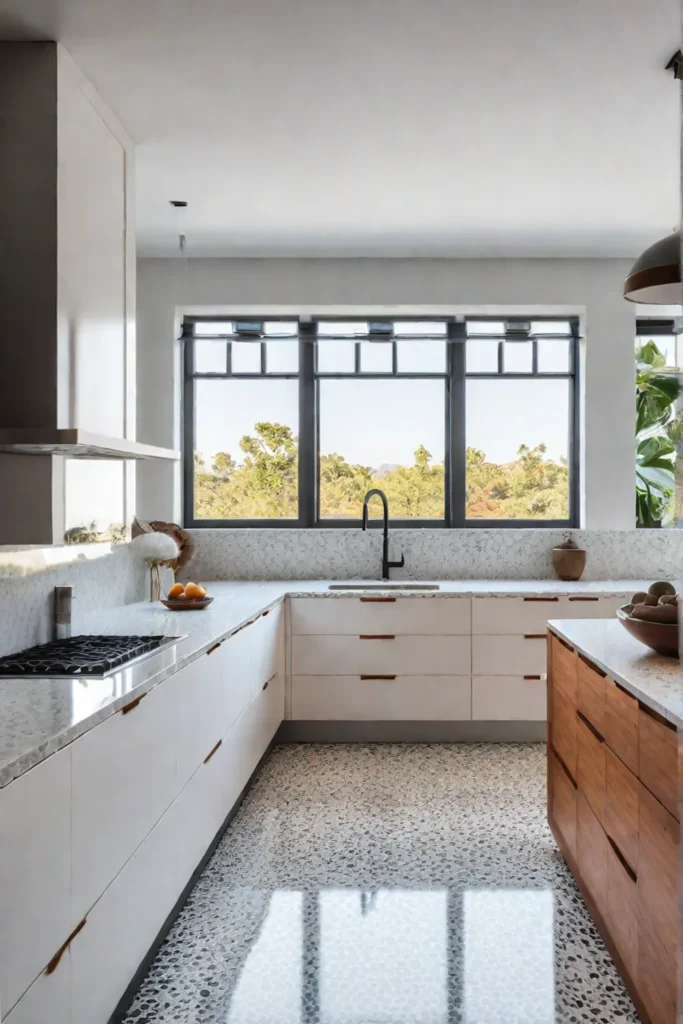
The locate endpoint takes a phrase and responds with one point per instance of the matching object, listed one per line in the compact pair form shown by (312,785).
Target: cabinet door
(563,729)
(509,698)
(514,616)
(590,766)
(563,802)
(590,692)
(621,807)
(35,873)
(622,908)
(657,908)
(658,757)
(592,847)
(376,698)
(373,614)
(200,699)
(372,654)
(509,655)
(563,661)
(124,778)
(48,1001)
(621,724)
(247,660)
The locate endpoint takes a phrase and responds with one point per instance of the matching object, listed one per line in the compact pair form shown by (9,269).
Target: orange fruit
(202,591)
(177,590)
(192,590)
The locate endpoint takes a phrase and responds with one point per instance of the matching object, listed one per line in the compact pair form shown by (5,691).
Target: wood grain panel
(621,724)
(591,850)
(563,802)
(564,667)
(590,767)
(622,908)
(658,758)
(590,693)
(621,807)
(563,728)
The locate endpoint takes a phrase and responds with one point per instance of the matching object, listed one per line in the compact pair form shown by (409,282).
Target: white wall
(592,288)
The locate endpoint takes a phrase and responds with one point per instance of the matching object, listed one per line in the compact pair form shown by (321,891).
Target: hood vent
(77,444)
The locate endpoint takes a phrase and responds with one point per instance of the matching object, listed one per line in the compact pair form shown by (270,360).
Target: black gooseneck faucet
(386,564)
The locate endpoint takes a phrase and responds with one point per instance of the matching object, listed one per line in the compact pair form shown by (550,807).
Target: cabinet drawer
(658,757)
(620,724)
(657,908)
(563,803)
(592,849)
(585,606)
(245,661)
(590,692)
(621,807)
(622,907)
(563,662)
(48,1001)
(509,655)
(374,614)
(382,654)
(513,615)
(509,699)
(35,873)
(590,766)
(396,698)
(563,729)
(123,779)
(200,701)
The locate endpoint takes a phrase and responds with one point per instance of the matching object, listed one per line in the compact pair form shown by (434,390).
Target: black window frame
(455,379)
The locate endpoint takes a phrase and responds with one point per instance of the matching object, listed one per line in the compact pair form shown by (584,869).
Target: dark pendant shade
(656,275)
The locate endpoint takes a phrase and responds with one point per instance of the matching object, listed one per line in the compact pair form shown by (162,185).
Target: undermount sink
(384,586)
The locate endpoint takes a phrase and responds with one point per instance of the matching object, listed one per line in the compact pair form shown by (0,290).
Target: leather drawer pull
(584,598)
(133,704)
(54,963)
(268,680)
(214,648)
(565,769)
(533,677)
(534,636)
(555,599)
(589,725)
(378,677)
(590,664)
(624,690)
(563,642)
(266,612)
(212,752)
(378,600)
(377,636)
(651,713)
(622,860)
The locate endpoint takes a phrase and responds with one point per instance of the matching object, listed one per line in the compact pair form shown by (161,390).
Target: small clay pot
(569,562)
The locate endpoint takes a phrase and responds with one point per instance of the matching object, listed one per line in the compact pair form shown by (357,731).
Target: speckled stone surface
(656,680)
(40,716)
(397,884)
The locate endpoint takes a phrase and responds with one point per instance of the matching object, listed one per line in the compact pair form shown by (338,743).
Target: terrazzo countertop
(40,716)
(655,680)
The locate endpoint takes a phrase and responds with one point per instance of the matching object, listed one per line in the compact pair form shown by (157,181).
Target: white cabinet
(373,614)
(509,655)
(35,874)
(248,659)
(517,615)
(401,698)
(200,699)
(508,699)
(124,778)
(354,655)
(48,1001)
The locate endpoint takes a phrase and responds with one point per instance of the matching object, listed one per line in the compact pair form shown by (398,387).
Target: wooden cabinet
(658,757)
(591,852)
(621,724)
(621,807)
(563,661)
(381,698)
(590,766)
(621,911)
(36,915)
(590,693)
(563,789)
(563,728)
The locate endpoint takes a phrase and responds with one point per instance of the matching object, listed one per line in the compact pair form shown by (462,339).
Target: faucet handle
(398,565)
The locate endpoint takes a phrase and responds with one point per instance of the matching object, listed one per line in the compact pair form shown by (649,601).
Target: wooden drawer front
(590,767)
(592,849)
(621,724)
(658,758)
(563,729)
(513,615)
(621,807)
(398,698)
(657,908)
(509,655)
(564,803)
(35,874)
(590,693)
(380,654)
(622,907)
(509,699)
(123,779)
(563,661)
(373,614)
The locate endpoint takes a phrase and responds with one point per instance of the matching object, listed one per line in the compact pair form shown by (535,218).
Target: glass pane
(554,356)
(210,357)
(336,357)
(376,357)
(517,449)
(246,356)
(280,328)
(421,356)
(214,329)
(246,449)
(419,328)
(342,329)
(481,356)
(382,433)
(282,356)
(518,356)
(94,500)
(550,327)
(479,327)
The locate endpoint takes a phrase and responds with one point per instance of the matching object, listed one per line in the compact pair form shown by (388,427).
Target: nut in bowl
(185,598)
(652,618)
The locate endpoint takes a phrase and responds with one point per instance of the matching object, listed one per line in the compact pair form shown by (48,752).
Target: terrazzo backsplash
(431,554)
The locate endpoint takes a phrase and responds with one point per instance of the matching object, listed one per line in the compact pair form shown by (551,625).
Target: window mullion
(308,456)
(455,426)
(188,420)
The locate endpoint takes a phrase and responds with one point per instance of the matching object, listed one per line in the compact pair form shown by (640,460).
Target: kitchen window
(461,423)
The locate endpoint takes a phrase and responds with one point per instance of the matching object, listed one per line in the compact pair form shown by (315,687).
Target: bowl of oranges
(186,597)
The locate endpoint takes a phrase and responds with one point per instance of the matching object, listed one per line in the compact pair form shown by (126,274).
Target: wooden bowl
(661,637)
(186,604)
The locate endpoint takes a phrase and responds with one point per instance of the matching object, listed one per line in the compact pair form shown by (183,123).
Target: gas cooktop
(92,656)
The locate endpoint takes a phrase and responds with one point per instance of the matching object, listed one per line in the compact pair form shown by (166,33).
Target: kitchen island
(614,714)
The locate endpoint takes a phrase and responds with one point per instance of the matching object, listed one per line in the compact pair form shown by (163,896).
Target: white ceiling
(387,127)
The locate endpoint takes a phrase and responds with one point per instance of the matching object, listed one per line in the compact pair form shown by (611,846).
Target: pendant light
(655,277)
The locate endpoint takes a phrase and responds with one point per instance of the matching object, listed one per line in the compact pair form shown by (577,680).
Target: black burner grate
(78,656)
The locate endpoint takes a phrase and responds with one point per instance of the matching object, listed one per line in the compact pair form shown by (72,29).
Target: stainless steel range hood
(77,444)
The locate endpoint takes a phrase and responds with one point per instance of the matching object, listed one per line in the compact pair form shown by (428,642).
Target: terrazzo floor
(387,884)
